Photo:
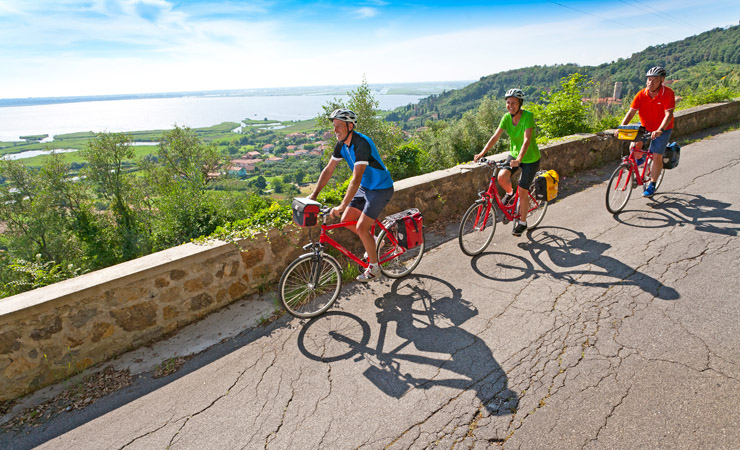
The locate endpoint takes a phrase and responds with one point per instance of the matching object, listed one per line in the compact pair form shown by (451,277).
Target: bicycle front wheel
(307,287)
(395,261)
(476,230)
(619,189)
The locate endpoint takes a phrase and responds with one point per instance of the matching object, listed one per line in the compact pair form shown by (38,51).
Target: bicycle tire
(402,265)
(619,189)
(660,177)
(297,293)
(472,240)
(535,216)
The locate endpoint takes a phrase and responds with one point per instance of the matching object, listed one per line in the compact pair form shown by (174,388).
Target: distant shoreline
(422,88)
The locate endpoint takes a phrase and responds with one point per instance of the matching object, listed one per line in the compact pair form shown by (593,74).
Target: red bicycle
(479,221)
(311,283)
(628,175)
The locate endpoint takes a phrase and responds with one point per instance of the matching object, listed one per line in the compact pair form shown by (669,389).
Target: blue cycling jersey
(361,150)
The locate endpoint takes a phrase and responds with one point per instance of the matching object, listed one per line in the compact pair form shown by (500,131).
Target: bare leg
(362,230)
(523,204)
(504,180)
(656,168)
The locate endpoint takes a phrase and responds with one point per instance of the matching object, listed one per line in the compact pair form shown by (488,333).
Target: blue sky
(92,47)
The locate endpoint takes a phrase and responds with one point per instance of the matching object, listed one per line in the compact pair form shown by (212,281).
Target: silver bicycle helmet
(518,93)
(345,115)
(656,71)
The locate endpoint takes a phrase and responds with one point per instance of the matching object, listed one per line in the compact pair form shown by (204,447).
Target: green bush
(21,275)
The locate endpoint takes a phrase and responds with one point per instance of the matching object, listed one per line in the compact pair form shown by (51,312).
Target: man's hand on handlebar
(478,156)
(337,211)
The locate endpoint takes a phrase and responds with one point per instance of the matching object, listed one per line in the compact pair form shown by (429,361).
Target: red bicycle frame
(509,211)
(640,177)
(392,252)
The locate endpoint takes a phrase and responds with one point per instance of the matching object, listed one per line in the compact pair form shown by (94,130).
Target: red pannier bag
(305,211)
(410,229)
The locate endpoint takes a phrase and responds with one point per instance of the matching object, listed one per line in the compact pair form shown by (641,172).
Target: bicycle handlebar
(492,162)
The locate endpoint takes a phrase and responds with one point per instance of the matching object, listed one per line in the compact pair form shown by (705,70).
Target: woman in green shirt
(524,153)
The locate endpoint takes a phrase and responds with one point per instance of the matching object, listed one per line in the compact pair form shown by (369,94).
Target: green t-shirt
(516,136)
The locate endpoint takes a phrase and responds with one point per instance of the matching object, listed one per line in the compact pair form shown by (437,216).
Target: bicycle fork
(317,261)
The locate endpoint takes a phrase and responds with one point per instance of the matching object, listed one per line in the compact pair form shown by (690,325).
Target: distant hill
(720,45)
(420,88)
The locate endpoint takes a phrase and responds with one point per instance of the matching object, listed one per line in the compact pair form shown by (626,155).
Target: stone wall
(52,332)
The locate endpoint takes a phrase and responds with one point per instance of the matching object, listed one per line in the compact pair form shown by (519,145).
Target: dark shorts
(371,202)
(529,171)
(659,144)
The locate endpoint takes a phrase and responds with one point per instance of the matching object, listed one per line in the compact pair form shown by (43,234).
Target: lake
(164,113)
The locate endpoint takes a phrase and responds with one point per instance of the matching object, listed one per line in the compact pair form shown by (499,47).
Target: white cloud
(70,47)
(366,12)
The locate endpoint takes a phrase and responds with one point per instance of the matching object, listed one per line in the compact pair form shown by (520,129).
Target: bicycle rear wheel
(537,209)
(299,292)
(475,235)
(402,264)
(619,188)
(648,176)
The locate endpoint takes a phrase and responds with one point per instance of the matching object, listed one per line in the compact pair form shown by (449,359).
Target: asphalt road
(591,331)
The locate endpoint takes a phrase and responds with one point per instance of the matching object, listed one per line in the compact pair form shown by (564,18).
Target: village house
(247,164)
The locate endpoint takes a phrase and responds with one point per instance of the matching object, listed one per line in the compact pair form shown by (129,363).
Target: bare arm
(628,117)
(666,120)
(324,178)
(354,185)
(491,142)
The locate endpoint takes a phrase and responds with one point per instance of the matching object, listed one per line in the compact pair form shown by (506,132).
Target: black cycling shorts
(529,171)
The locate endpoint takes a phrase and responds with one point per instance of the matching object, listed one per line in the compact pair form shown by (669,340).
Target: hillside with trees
(717,52)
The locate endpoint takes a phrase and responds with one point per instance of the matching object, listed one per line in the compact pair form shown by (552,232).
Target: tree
(108,155)
(385,135)
(299,176)
(564,112)
(260,182)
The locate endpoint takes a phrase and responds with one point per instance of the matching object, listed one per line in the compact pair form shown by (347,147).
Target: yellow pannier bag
(546,185)
(628,132)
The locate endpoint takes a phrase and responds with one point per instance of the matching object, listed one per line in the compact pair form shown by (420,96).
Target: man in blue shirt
(370,189)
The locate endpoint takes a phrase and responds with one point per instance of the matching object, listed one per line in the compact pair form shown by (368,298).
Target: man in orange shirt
(655,106)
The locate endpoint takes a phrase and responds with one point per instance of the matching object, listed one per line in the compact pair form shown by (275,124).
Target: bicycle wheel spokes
(299,292)
(648,175)
(477,228)
(619,189)
(397,262)
(537,209)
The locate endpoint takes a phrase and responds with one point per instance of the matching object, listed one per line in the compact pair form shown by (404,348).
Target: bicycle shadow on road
(567,248)
(429,349)
(572,257)
(679,209)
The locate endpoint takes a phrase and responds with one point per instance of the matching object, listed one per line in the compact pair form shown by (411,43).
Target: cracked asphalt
(592,331)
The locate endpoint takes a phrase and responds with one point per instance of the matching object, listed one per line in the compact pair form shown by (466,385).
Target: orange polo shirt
(652,110)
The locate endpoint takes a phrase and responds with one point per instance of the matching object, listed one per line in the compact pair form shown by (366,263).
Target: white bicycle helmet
(518,93)
(345,115)
(656,71)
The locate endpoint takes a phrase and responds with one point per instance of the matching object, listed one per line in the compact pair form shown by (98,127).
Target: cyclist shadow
(426,313)
(675,208)
(566,248)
